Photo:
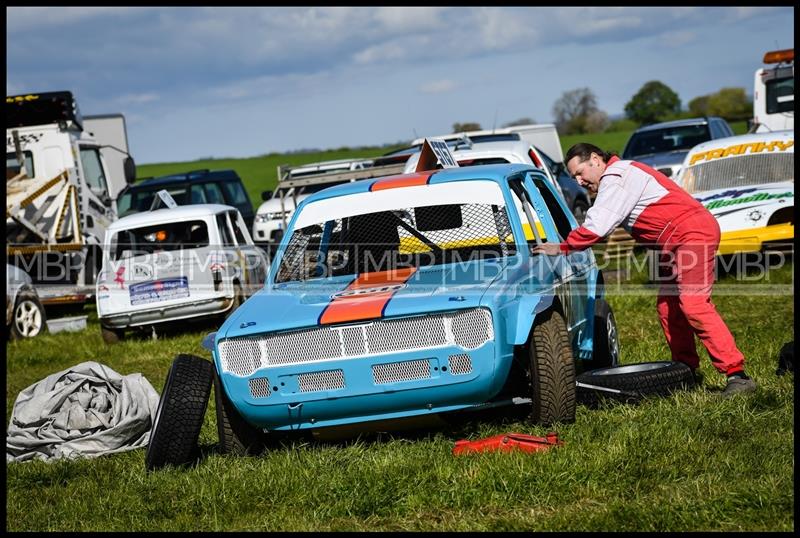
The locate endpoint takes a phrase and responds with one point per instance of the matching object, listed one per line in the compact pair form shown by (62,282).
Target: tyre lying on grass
(179,418)
(631,383)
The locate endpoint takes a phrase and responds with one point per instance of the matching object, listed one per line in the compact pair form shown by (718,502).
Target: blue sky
(239,82)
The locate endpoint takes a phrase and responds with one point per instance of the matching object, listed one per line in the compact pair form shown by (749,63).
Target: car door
(574,270)
(98,207)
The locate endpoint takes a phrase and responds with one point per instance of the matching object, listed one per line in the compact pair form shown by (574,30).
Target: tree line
(576,111)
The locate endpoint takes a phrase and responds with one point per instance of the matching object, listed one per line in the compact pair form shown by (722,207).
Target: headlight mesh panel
(468,329)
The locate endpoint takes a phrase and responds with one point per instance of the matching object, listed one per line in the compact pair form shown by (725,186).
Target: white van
(173,264)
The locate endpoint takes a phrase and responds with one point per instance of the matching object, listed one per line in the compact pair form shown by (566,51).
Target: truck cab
(773,93)
(60,192)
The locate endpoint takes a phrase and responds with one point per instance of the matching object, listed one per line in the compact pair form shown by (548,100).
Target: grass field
(690,462)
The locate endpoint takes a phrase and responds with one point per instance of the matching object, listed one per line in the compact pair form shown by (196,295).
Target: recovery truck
(60,194)
(773,93)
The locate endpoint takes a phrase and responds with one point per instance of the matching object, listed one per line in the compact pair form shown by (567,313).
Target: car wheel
(579,209)
(605,338)
(112,336)
(632,382)
(29,317)
(236,436)
(551,370)
(181,408)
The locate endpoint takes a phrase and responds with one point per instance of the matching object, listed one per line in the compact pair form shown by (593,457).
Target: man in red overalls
(656,211)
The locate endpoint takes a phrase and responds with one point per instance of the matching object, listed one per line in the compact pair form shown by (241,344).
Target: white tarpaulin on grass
(86,410)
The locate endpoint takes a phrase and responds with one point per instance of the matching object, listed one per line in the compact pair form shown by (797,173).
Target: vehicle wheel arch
(520,324)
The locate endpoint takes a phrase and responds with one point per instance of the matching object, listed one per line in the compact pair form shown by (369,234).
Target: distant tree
(468,126)
(699,106)
(596,122)
(521,121)
(652,103)
(731,104)
(572,109)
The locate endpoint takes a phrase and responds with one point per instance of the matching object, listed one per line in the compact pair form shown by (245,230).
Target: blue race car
(398,297)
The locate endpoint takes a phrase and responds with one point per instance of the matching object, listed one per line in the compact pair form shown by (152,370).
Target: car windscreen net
(741,171)
(391,239)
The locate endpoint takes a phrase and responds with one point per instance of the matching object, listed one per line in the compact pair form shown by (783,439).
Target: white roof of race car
(184,212)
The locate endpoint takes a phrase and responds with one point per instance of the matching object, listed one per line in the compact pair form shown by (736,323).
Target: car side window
(715,130)
(237,230)
(235,194)
(196,195)
(214,193)
(563,225)
(224,231)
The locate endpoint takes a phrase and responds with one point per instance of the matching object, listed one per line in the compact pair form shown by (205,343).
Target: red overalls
(658,213)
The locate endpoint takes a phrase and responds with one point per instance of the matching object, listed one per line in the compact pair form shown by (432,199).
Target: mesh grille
(316,381)
(259,387)
(404,237)
(241,356)
(401,371)
(460,364)
(468,329)
(739,172)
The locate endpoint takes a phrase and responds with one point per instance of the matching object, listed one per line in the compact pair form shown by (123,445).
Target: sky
(199,82)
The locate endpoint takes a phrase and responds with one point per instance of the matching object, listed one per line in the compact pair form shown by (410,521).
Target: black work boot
(738,383)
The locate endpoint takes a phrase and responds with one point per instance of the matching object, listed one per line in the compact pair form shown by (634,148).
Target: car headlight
(278,215)
(262,217)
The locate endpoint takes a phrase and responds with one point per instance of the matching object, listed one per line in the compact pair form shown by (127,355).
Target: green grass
(690,462)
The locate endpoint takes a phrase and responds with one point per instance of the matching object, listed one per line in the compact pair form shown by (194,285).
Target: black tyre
(605,338)
(579,209)
(635,381)
(173,438)
(112,336)
(551,371)
(236,435)
(29,318)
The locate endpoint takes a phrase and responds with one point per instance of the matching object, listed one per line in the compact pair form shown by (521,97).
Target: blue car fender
(518,316)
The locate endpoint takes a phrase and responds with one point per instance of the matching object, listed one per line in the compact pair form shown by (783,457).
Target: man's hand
(551,249)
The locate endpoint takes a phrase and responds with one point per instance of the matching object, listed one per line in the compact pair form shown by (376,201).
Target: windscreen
(746,170)
(159,238)
(404,227)
(665,140)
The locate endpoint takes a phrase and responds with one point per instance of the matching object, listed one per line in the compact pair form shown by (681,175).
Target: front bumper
(353,390)
(752,240)
(206,307)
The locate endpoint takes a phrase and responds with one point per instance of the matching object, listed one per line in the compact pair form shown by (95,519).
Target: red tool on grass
(507,442)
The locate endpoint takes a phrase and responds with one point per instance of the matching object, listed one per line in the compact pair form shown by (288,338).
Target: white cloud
(438,86)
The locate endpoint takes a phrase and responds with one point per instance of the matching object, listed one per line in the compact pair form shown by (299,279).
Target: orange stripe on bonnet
(357,307)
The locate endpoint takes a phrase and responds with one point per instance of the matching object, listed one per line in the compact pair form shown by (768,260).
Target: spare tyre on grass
(630,383)
(179,418)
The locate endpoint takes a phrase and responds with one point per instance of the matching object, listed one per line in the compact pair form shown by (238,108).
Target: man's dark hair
(584,150)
